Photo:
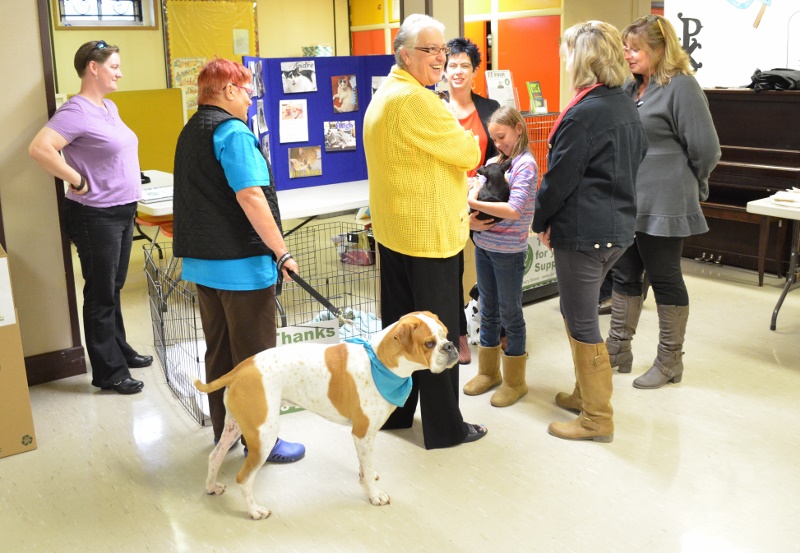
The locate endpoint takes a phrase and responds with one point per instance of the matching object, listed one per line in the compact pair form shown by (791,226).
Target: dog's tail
(221,382)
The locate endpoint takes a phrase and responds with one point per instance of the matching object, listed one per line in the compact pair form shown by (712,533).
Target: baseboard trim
(55,365)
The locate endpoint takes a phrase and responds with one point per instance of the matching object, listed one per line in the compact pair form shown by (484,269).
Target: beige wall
(141,54)
(30,215)
(281,34)
(447,12)
(617,12)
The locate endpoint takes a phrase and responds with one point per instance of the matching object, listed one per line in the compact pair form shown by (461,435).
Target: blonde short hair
(656,36)
(596,51)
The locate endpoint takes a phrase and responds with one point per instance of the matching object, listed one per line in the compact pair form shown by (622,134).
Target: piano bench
(739,213)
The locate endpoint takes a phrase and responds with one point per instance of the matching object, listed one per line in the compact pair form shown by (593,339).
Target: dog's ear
(506,165)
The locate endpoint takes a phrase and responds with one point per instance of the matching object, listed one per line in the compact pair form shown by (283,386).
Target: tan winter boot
(625,312)
(668,366)
(595,421)
(488,372)
(571,402)
(514,385)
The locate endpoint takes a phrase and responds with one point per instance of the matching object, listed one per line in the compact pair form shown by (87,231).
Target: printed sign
(540,265)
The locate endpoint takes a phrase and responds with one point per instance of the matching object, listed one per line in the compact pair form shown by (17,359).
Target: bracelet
(283,260)
(81,186)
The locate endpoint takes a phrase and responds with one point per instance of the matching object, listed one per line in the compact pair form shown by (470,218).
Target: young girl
(500,250)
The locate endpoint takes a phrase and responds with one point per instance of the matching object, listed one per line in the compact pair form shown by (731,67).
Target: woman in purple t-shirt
(101,167)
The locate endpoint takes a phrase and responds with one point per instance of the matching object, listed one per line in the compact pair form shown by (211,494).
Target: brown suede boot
(488,372)
(571,402)
(625,312)
(668,366)
(514,385)
(595,421)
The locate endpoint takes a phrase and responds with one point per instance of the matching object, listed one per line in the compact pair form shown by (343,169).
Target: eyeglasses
(434,50)
(101,45)
(245,88)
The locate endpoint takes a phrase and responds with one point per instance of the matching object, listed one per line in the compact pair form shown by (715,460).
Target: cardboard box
(16,418)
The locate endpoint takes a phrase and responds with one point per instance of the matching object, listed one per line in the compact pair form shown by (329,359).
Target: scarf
(394,389)
(575,99)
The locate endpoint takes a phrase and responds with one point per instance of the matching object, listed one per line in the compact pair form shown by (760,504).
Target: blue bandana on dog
(394,389)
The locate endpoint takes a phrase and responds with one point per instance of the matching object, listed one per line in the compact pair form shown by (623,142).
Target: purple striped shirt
(509,236)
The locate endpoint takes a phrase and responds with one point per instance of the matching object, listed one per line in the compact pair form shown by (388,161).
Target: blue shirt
(236,148)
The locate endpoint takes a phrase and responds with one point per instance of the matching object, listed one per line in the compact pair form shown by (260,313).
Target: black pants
(579,275)
(103,237)
(426,284)
(660,257)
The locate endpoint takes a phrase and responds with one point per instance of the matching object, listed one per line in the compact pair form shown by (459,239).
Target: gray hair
(412,26)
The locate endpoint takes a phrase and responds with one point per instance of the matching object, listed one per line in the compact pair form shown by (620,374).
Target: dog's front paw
(216,489)
(379,498)
(257,512)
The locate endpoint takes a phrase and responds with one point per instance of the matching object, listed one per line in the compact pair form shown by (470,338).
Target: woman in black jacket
(586,211)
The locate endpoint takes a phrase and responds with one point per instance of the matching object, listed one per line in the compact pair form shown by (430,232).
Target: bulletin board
(157,117)
(335,165)
(199,30)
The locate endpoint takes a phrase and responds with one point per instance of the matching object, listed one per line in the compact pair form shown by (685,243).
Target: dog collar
(394,389)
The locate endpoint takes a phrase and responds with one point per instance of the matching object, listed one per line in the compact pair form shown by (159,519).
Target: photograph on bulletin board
(305,162)
(293,121)
(340,136)
(345,96)
(258,79)
(265,147)
(298,76)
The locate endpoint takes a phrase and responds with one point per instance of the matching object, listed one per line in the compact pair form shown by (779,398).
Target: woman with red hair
(228,231)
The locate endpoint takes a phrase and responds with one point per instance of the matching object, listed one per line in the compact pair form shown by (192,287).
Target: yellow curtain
(198,30)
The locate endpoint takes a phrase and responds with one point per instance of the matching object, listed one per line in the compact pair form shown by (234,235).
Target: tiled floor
(708,465)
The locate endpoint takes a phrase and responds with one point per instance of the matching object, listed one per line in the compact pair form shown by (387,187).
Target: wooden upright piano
(759,136)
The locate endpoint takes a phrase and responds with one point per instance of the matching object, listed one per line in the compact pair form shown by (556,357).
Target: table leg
(791,275)
(763,238)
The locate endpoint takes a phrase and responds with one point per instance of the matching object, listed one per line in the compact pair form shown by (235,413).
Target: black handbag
(775,79)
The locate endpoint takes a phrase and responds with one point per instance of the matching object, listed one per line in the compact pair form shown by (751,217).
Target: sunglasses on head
(101,45)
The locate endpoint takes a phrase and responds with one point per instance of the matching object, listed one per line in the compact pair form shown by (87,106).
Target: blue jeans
(103,238)
(500,287)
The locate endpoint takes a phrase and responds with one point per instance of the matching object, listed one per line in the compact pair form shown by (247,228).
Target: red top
(472,122)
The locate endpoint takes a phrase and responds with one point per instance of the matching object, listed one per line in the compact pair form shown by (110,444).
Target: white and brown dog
(347,383)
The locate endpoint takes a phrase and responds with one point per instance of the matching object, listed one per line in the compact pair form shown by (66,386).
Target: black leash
(335,311)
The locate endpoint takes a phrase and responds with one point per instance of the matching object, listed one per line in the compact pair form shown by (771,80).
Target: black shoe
(140,361)
(475,432)
(125,387)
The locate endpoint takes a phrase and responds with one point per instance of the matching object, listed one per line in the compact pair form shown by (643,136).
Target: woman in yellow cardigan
(417,159)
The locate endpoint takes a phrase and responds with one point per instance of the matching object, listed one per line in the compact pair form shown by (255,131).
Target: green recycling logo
(27,440)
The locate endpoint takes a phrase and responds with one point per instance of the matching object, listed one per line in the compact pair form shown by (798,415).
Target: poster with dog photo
(293,120)
(345,97)
(298,76)
(340,136)
(305,162)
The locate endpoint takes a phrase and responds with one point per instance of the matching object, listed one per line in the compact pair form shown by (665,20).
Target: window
(105,13)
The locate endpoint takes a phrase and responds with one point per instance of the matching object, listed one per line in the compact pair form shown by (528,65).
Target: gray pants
(580,275)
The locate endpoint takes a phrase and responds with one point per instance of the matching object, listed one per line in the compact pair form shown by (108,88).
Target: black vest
(208,221)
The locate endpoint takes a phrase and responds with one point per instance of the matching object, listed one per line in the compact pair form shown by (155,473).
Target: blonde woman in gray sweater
(671,182)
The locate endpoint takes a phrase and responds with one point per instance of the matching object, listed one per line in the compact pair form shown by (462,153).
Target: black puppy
(496,188)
